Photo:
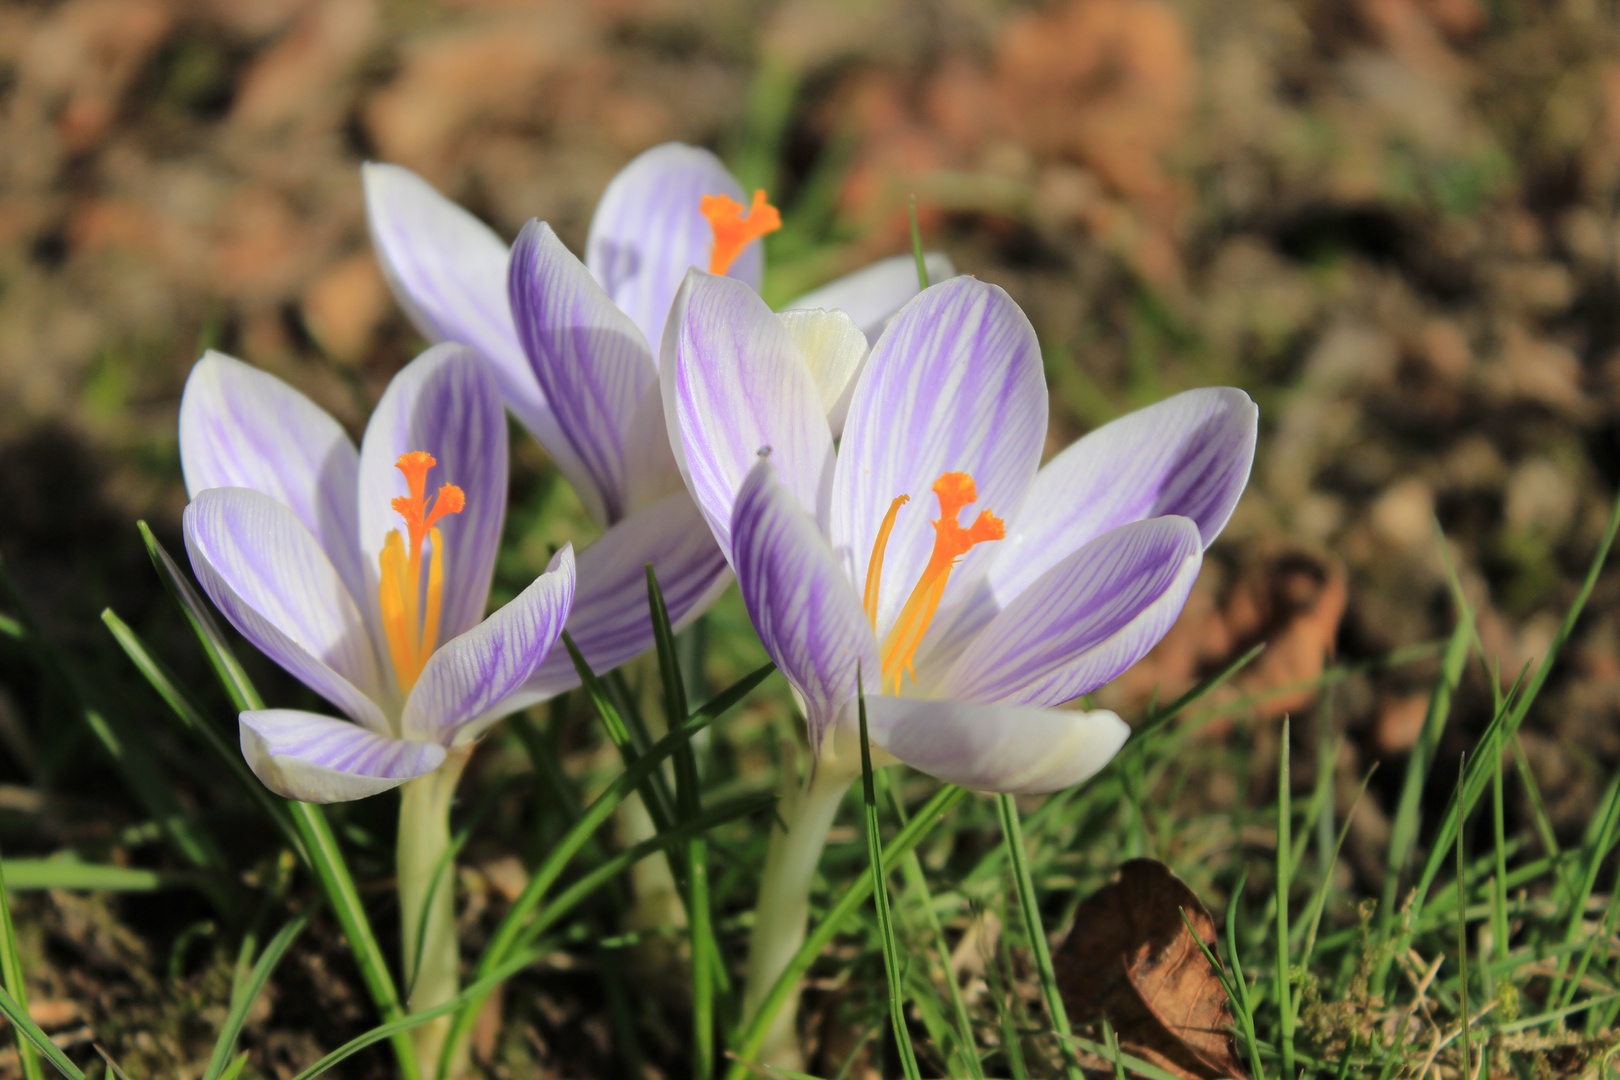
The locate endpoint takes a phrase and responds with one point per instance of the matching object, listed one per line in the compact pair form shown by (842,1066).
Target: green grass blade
(747,1044)
(688,805)
(195,724)
(35,874)
(1285,846)
(917,244)
(241,1002)
(1013,836)
(11,975)
(1462,937)
(880,901)
(131,758)
(1404,831)
(510,932)
(27,1029)
(654,791)
(318,846)
(917,882)
(1156,720)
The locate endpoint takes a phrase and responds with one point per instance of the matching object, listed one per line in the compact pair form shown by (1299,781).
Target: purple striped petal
(268,575)
(1188,455)
(648,232)
(611,622)
(242,427)
(954,385)
(314,758)
(466,683)
(872,294)
(735,387)
(1085,620)
(993,747)
(447,269)
(590,359)
(809,619)
(443,402)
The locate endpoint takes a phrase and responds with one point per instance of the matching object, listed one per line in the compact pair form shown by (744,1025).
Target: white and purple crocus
(341,567)
(861,571)
(574,347)
(967,633)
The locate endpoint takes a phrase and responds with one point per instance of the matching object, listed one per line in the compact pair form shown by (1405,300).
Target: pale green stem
(784,906)
(427,881)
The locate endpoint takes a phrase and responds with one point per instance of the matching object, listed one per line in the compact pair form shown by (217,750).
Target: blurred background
(1395,223)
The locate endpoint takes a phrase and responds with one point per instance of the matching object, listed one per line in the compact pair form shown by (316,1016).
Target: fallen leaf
(1130,959)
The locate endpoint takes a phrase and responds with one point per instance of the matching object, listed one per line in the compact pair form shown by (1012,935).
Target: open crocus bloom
(364,573)
(964,628)
(574,347)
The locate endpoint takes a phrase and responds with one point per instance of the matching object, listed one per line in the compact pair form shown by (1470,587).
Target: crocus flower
(365,573)
(574,347)
(965,630)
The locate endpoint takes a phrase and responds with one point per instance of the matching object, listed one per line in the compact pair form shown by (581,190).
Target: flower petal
(268,575)
(447,269)
(242,427)
(648,232)
(835,350)
(735,387)
(443,402)
(991,747)
(1188,455)
(954,385)
(314,758)
(809,619)
(588,356)
(1085,620)
(872,294)
(611,622)
(466,682)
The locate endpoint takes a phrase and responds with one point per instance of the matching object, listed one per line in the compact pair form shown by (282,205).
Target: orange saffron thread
(955,490)
(732,231)
(413,633)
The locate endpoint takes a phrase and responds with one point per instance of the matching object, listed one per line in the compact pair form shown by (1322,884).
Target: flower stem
(427,903)
(784,906)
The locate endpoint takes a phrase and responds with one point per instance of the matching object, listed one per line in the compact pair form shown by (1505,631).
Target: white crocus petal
(1188,455)
(736,388)
(242,427)
(872,294)
(809,619)
(954,385)
(465,685)
(319,759)
(447,269)
(1084,621)
(444,403)
(834,349)
(1008,748)
(269,577)
(649,230)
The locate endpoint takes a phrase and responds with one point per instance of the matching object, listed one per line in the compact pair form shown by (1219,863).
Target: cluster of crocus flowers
(341,567)
(928,562)
(574,345)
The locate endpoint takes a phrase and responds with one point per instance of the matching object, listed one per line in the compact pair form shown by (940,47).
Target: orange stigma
(951,541)
(410,624)
(732,231)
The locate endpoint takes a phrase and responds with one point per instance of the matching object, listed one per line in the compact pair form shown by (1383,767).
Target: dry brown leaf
(1130,959)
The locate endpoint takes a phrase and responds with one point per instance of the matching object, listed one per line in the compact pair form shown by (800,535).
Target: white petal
(1009,748)
(872,294)
(314,758)
(834,349)
(736,388)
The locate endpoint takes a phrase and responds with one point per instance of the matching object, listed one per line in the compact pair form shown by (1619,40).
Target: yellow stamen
(951,541)
(412,633)
(874,568)
(732,231)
